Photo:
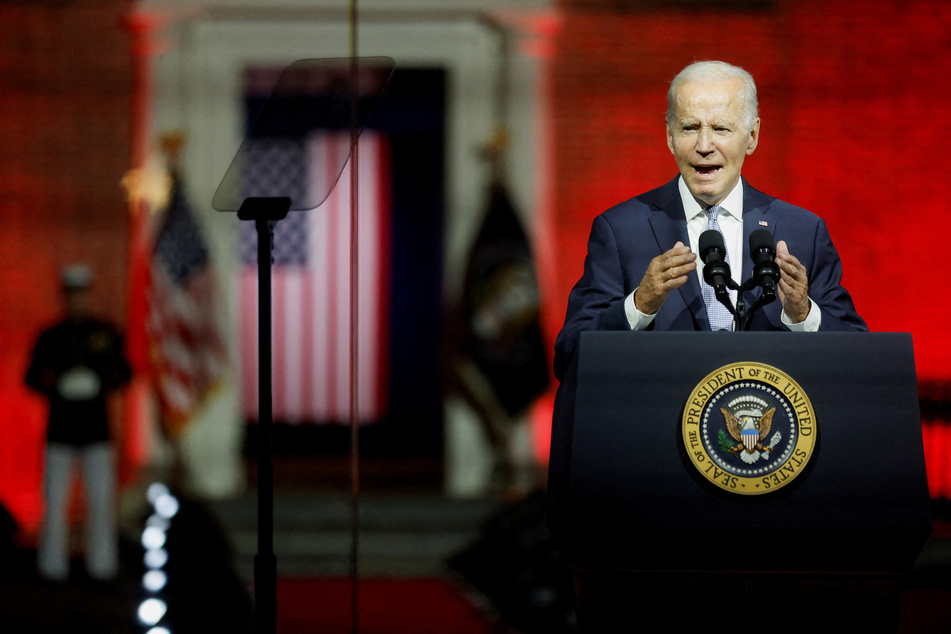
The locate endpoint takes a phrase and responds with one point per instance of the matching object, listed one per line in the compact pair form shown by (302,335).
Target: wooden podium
(651,535)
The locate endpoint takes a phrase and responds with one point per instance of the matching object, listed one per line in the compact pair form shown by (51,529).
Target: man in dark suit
(642,271)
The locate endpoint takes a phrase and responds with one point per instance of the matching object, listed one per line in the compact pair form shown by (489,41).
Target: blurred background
(504,129)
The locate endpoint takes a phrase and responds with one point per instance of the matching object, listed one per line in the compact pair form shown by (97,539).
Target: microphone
(765,269)
(716,271)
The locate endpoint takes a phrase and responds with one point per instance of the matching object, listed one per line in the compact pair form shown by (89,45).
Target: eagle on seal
(749,433)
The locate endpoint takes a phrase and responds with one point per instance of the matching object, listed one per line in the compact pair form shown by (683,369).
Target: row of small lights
(153,607)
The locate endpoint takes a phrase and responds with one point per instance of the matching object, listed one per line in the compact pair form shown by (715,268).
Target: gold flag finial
(152,183)
(172,143)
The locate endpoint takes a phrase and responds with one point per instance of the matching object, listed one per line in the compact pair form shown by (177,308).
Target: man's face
(708,137)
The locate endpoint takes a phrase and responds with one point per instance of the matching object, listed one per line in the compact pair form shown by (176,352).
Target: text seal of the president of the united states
(749,428)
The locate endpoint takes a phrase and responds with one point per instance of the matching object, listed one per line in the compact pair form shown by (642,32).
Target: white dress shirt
(730,220)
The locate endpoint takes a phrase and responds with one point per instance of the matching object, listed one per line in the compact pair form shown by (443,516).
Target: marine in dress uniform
(76,363)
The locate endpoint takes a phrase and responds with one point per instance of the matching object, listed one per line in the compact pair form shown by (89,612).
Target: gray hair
(709,71)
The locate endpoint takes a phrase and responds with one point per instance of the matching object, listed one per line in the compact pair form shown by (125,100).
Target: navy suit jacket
(625,238)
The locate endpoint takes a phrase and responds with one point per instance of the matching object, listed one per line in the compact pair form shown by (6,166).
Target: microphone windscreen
(761,239)
(711,240)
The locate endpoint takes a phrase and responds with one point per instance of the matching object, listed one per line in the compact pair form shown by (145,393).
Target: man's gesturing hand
(793,284)
(666,273)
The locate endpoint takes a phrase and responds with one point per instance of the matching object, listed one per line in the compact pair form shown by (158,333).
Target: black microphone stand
(744,315)
(722,293)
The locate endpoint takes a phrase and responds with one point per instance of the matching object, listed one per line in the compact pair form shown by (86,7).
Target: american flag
(187,354)
(311,290)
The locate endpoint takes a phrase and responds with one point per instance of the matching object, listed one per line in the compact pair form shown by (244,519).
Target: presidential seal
(749,428)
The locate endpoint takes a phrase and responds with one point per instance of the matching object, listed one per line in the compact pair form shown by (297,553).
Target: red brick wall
(64,121)
(65,84)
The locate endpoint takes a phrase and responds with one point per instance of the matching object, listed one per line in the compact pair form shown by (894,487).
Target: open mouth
(706,170)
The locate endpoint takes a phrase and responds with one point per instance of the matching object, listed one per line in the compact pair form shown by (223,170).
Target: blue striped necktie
(718,314)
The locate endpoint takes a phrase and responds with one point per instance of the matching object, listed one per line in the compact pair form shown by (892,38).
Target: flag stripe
(321,330)
(332,340)
(295,361)
(378,306)
(341,306)
(307,391)
(279,340)
(249,340)
(371,294)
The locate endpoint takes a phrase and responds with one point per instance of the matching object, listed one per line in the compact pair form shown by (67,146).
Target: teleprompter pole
(265,212)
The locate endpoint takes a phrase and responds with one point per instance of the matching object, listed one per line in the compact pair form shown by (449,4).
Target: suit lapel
(669,227)
(755,216)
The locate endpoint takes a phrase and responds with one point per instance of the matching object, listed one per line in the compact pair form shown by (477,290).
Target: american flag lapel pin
(763,223)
